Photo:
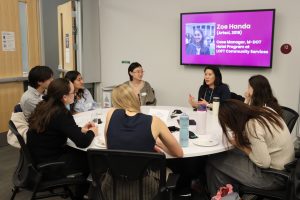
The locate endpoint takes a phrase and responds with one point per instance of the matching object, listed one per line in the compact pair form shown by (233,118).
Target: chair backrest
(295,189)
(290,117)
(128,171)
(25,173)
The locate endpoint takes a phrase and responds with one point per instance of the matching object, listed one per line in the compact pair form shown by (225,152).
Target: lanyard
(210,95)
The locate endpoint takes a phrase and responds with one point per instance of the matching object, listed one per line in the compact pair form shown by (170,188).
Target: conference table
(195,148)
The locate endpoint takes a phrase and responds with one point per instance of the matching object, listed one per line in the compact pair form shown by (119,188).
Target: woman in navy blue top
(129,129)
(212,87)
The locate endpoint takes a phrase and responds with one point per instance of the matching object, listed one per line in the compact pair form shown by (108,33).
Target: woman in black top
(51,124)
(212,87)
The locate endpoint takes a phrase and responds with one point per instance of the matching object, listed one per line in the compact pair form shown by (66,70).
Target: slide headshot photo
(200,38)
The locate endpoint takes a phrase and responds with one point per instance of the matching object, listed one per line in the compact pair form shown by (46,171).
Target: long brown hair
(262,93)
(51,106)
(234,115)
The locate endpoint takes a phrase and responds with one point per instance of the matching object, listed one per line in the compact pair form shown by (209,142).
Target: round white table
(213,129)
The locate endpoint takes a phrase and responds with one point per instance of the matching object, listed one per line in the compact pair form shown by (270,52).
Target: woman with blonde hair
(129,129)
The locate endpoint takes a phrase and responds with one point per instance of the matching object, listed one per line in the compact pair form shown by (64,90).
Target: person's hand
(157,149)
(192,101)
(202,102)
(95,130)
(87,126)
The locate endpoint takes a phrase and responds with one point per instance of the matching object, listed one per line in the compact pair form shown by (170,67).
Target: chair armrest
(297,153)
(282,173)
(291,165)
(44,167)
(90,178)
(49,165)
(172,181)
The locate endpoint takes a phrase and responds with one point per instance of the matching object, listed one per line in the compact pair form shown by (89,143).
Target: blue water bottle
(184,130)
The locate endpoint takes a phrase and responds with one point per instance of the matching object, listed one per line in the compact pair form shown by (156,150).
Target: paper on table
(81,120)
(162,114)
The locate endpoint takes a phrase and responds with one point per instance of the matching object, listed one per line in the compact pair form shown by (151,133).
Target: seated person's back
(130,132)
(127,128)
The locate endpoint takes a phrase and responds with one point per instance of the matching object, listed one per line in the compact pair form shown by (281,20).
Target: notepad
(162,114)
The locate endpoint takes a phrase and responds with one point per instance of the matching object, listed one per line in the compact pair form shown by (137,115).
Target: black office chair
(290,117)
(291,191)
(30,176)
(128,170)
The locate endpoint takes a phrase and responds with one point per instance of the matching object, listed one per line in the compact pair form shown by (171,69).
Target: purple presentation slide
(234,38)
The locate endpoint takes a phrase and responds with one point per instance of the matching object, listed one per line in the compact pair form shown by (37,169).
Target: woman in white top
(83,100)
(261,140)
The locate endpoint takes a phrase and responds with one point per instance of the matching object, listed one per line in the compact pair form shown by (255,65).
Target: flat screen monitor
(228,38)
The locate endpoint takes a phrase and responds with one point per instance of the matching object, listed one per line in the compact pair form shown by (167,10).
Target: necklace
(210,95)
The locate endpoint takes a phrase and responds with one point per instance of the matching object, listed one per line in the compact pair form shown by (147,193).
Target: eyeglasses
(139,72)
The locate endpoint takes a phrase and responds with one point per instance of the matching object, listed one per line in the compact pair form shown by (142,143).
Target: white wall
(149,32)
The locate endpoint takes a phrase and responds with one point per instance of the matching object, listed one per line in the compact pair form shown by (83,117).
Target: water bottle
(184,130)
(216,104)
(201,119)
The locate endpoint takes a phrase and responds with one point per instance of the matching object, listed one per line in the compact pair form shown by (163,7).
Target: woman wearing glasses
(83,99)
(51,124)
(140,87)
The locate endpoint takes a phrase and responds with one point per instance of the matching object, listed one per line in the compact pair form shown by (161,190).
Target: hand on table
(90,126)
(203,102)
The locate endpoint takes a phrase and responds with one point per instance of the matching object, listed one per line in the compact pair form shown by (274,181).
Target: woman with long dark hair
(83,99)
(259,93)
(51,124)
(261,140)
(197,46)
(212,87)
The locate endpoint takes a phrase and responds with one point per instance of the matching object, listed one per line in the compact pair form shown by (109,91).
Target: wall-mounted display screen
(229,38)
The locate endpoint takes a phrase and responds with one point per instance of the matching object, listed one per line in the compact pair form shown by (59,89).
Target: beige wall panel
(65,21)
(10,61)
(34,57)
(10,94)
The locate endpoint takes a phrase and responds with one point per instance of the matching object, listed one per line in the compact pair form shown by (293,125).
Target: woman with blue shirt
(212,87)
(83,100)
